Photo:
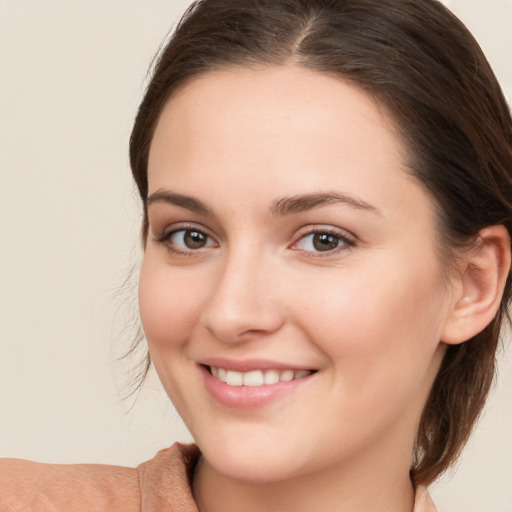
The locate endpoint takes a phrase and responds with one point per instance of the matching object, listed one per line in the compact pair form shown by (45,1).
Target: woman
(326,191)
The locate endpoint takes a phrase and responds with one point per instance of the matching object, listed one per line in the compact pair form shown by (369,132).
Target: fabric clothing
(162,484)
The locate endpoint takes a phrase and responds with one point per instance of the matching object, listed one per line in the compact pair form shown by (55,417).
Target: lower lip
(248,397)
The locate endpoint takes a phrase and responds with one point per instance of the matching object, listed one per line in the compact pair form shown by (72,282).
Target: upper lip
(246,365)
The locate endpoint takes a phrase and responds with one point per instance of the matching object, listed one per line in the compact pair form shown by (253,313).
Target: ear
(484,272)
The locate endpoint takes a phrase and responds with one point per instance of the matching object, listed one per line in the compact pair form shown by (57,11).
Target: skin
(368,316)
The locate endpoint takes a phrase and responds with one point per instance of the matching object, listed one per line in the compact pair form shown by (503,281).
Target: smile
(253,384)
(257,377)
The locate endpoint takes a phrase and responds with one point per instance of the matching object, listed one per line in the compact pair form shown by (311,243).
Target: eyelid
(349,240)
(163,236)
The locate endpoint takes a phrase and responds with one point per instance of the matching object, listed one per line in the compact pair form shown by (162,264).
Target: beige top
(161,484)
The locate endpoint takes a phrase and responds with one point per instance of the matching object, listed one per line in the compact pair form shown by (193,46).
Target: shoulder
(154,485)
(30,485)
(165,480)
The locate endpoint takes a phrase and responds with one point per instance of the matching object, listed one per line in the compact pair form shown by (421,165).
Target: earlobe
(483,276)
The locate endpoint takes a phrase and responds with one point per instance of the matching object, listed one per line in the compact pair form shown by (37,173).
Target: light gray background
(72,74)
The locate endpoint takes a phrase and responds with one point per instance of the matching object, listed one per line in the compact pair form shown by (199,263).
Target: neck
(354,487)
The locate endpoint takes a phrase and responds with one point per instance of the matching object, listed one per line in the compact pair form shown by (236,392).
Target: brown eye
(325,241)
(187,240)
(194,239)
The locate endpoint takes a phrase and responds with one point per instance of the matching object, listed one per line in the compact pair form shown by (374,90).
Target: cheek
(380,322)
(169,306)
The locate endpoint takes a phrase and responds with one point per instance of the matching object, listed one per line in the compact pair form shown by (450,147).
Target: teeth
(286,376)
(257,377)
(271,377)
(234,378)
(254,378)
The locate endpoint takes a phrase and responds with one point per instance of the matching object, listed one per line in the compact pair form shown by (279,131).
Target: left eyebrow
(301,203)
(188,202)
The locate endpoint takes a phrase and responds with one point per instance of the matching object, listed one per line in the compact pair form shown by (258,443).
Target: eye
(189,239)
(323,241)
(186,240)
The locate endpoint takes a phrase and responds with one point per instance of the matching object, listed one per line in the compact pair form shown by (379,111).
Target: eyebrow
(188,202)
(301,203)
(281,207)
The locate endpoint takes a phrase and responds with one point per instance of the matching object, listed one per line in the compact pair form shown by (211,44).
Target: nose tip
(232,325)
(243,306)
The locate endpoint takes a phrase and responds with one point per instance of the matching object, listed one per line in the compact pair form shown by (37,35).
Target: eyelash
(346,242)
(164,237)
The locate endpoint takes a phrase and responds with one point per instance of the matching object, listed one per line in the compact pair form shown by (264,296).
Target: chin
(255,462)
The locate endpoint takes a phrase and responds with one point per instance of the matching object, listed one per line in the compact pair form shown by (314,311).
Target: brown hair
(422,64)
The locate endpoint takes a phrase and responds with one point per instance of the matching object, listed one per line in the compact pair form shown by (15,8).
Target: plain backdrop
(72,74)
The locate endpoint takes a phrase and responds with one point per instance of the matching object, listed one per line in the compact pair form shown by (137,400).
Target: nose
(244,304)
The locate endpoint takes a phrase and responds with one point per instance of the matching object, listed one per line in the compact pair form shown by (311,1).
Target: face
(291,290)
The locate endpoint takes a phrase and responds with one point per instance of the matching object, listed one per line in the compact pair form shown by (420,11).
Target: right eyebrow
(190,203)
(301,203)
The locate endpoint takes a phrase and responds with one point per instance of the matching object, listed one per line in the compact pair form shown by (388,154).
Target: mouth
(254,383)
(254,378)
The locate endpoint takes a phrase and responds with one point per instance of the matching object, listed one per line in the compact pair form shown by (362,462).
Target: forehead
(299,129)
(275,101)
